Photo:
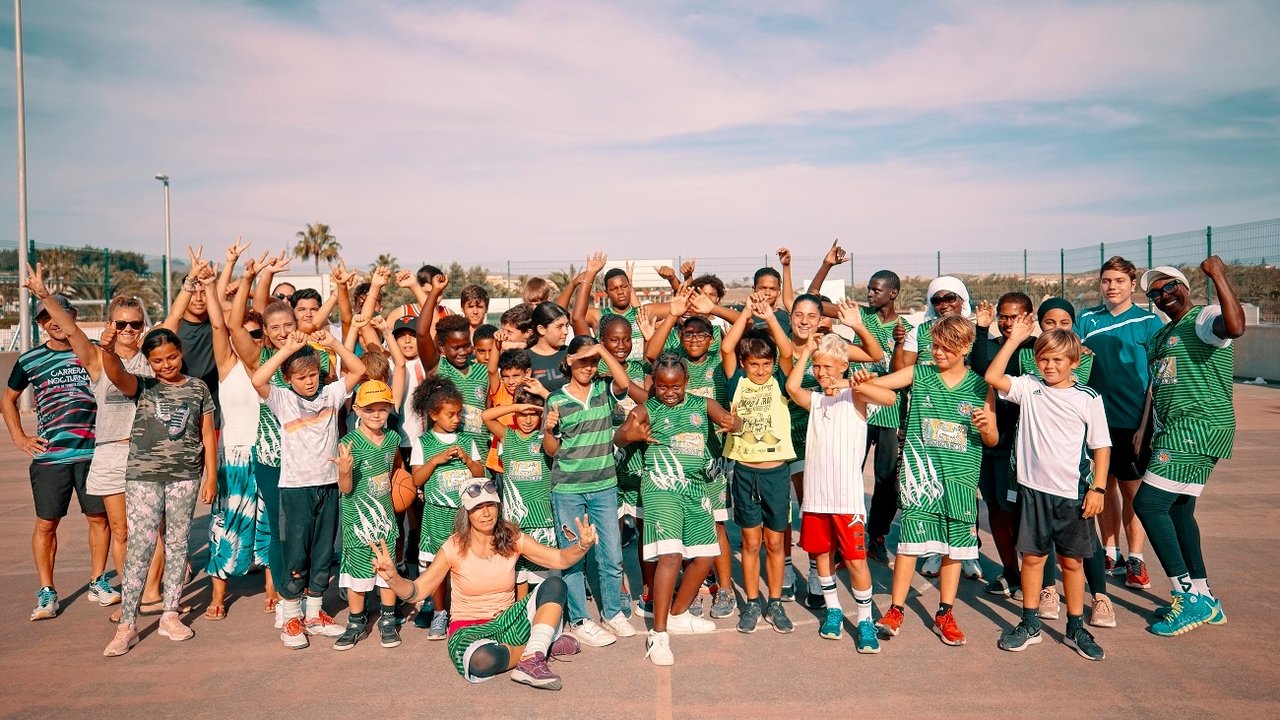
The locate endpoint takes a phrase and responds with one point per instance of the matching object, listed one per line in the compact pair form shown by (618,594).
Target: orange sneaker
(944,626)
(890,622)
(294,634)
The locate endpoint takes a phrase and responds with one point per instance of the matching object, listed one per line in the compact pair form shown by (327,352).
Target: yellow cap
(373,391)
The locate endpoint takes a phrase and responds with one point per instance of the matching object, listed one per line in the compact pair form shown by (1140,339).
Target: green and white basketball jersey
(890,415)
(526,481)
(1191,392)
(942,455)
(473,382)
(678,461)
(444,484)
(367,511)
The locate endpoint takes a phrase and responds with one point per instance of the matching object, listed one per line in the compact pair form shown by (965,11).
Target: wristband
(1097,489)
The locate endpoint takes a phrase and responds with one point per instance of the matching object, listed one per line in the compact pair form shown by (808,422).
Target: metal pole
(24,305)
(1150,263)
(106,281)
(1208,252)
(1026,280)
(34,333)
(168,297)
(1102,254)
(1062,273)
(939,264)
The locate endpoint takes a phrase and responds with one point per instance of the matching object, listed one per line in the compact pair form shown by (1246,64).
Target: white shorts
(107,470)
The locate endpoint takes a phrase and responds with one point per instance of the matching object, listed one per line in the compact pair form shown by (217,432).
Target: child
(513,375)
(940,464)
(672,429)
(1059,418)
(517,326)
(834,509)
(308,415)
(475,306)
(484,342)
(526,478)
(367,457)
(449,351)
(441,466)
(762,449)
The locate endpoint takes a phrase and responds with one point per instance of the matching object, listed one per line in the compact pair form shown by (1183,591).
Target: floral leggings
(147,506)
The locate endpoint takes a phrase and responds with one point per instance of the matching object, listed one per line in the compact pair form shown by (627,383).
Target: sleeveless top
(240,413)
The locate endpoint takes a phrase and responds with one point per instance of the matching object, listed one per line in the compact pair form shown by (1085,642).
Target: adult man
(1192,359)
(60,450)
(1119,334)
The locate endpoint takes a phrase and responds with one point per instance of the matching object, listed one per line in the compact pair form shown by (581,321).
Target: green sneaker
(749,616)
(866,641)
(357,629)
(776,616)
(1187,612)
(1022,636)
(1082,642)
(1219,615)
(832,624)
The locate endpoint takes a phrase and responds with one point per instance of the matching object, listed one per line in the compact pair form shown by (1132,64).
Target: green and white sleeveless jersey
(942,454)
(267,445)
(526,481)
(637,337)
(1191,392)
(366,511)
(678,461)
(444,484)
(707,380)
(473,382)
(636,372)
(890,415)
(1027,364)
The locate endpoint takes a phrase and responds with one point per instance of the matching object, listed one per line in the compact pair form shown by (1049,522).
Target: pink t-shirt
(482,587)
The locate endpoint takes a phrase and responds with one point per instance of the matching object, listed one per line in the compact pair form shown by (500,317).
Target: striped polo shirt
(584,462)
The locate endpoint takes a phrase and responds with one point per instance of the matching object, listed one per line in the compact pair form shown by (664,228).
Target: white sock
(1181,583)
(1137,556)
(862,598)
(1201,587)
(540,638)
(313,606)
(815,582)
(827,586)
(1112,551)
(292,608)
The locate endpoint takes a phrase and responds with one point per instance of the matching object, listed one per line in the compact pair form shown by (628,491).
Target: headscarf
(1056,303)
(952,284)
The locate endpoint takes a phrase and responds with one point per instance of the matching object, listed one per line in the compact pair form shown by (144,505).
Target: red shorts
(823,532)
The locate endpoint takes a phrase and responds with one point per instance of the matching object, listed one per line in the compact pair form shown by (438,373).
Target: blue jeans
(601,507)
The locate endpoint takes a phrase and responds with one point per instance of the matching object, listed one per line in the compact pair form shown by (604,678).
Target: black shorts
(1124,464)
(762,497)
(52,485)
(1050,522)
(996,481)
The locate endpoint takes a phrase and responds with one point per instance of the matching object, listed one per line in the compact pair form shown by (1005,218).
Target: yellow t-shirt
(766,421)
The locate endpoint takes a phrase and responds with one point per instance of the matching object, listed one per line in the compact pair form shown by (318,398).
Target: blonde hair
(1058,341)
(953,333)
(832,347)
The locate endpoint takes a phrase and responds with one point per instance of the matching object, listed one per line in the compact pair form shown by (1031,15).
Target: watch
(1099,490)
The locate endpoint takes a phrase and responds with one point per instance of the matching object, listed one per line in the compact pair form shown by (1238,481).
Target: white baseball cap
(478,491)
(1159,273)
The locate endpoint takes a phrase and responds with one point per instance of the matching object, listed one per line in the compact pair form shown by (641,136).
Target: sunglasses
(256,334)
(696,336)
(282,296)
(1166,289)
(476,489)
(131,324)
(937,300)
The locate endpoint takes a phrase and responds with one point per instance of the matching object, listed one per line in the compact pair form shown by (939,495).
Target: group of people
(465,470)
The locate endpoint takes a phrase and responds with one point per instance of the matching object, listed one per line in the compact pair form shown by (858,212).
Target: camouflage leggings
(147,506)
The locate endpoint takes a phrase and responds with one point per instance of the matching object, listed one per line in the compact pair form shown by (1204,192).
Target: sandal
(215,612)
(157,608)
(271,604)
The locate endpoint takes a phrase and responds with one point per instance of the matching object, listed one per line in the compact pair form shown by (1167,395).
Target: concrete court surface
(238,668)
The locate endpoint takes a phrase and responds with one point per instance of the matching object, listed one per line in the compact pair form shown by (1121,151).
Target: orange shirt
(498,398)
(482,587)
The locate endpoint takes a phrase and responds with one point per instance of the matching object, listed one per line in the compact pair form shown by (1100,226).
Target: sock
(292,608)
(943,608)
(358,617)
(862,599)
(313,606)
(1136,556)
(1031,616)
(539,640)
(1181,583)
(1201,586)
(1112,551)
(788,572)
(899,608)
(815,582)
(827,588)
(1074,623)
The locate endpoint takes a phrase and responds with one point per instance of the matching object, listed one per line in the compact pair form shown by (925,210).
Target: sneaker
(592,635)
(814,601)
(620,626)
(878,551)
(1022,636)
(866,642)
(439,626)
(533,671)
(686,624)
(1219,616)
(47,604)
(658,649)
(695,607)
(388,631)
(171,627)
(789,582)
(723,604)
(101,590)
(971,569)
(1103,615)
(279,611)
(1050,608)
(644,608)
(1135,574)
(999,586)
(1187,612)
(322,624)
(832,624)
(1082,642)
(932,566)
(564,645)
(422,620)
(294,634)
(890,622)
(357,629)
(944,626)
(776,616)
(126,637)
(1114,565)
(749,616)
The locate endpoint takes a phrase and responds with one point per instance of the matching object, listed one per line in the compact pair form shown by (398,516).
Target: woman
(546,352)
(491,632)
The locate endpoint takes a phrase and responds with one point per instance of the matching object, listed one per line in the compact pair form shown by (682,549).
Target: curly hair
(450,324)
(431,395)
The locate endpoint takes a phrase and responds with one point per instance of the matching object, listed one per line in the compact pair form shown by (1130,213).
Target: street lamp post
(167,295)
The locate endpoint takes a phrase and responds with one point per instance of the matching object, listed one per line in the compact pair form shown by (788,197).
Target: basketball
(403,491)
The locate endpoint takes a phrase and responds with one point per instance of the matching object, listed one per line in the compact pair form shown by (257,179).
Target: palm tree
(388,261)
(317,242)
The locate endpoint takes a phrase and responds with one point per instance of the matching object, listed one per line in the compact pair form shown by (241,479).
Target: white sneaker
(932,566)
(971,569)
(619,625)
(659,649)
(686,624)
(1049,605)
(591,634)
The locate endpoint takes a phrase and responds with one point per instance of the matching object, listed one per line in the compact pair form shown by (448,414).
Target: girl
(526,477)
(547,353)
(673,431)
(172,434)
(441,466)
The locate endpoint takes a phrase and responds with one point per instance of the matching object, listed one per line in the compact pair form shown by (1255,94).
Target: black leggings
(1170,522)
(884,502)
(494,659)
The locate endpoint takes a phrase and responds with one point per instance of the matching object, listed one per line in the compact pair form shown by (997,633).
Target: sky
(494,131)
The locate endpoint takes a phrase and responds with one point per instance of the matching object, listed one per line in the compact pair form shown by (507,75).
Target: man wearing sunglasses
(1119,334)
(1192,363)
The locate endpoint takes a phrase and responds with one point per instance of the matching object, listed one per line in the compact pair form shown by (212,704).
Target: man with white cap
(1191,362)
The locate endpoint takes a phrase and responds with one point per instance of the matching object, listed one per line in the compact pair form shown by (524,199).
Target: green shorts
(921,532)
(717,487)
(629,496)
(355,568)
(526,569)
(437,526)
(678,524)
(1176,471)
(511,627)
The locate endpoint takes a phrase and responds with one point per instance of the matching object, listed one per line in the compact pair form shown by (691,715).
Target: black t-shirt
(197,355)
(546,369)
(784,319)
(984,351)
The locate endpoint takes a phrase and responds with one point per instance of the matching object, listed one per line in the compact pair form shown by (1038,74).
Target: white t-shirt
(114,421)
(836,445)
(308,434)
(410,425)
(1054,428)
(1204,327)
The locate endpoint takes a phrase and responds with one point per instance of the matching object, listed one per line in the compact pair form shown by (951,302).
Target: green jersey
(637,337)
(889,415)
(1191,386)
(636,372)
(267,445)
(942,454)
(1027,364)
(584,461)
(673,343)
(677,462)
(367,513)
(473,382)
(444,484)
(526,481)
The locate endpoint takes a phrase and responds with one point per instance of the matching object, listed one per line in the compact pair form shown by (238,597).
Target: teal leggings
(1170,522)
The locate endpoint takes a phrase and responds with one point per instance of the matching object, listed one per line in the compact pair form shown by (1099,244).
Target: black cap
(61,300)
(405,323)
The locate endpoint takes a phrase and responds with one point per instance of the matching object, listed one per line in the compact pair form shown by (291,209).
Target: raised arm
(788,290)
(262,294)
(399,365)
(223,355)
(190,286)
(248,350)
(654,345)
(578,314)
(902,358)
(492,417)
(835,256)
(1231,323)
(565,298)
(427,349)
(729,345)
(265,370)
(1021,330)
(339,274)
(786,351)
(869,351)
(86,352)
(800,395)
(228,269)
(352,366)
(125,381)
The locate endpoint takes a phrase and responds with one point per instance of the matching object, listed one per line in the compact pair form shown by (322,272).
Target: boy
(517,326)
(1059,418)
(941,459)
(367,457)
(449,352)
(475,306)
(308,415)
